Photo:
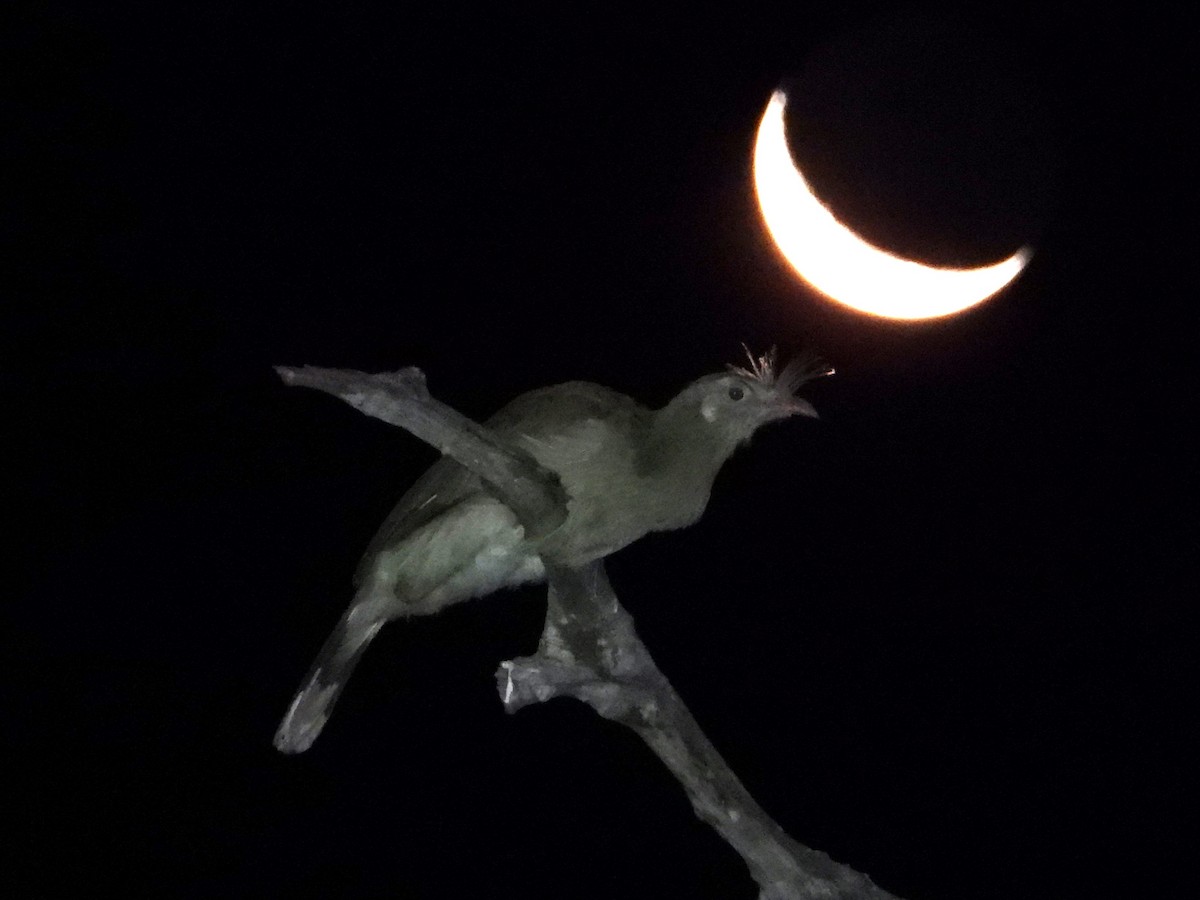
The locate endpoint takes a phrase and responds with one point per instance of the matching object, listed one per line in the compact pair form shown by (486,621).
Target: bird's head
(740,400)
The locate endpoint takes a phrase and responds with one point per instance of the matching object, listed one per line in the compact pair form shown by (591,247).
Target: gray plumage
(627,470)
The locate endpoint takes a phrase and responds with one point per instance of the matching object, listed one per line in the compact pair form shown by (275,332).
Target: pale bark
(590,651)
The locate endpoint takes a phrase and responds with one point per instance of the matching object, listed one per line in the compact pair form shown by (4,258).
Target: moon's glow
(843,266)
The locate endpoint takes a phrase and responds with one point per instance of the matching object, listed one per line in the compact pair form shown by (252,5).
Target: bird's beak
(788,406)
(798,406)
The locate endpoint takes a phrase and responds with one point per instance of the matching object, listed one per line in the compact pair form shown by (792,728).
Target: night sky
(939,634)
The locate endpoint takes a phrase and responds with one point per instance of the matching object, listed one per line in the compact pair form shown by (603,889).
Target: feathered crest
(805,367)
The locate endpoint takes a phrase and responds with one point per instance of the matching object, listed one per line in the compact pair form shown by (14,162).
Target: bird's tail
(325,680)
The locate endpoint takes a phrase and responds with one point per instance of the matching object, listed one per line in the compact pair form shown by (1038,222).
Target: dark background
(939,634)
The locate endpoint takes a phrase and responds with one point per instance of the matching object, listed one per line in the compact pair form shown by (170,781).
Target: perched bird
(627,470)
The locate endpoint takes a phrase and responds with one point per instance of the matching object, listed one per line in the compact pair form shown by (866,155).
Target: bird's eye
(736,393)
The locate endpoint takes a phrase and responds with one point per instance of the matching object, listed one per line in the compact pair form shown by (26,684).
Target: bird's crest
(805,367)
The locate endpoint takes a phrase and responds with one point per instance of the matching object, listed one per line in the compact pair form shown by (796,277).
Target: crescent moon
(843,266)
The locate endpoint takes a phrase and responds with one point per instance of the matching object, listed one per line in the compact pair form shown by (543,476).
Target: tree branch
(590,651)
(589,648)
(400,398)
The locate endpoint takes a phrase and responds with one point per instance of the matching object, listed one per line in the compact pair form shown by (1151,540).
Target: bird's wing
(442,485)
(539,415)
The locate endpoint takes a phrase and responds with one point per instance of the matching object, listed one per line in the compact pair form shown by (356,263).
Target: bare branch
(400,398)
(590,651)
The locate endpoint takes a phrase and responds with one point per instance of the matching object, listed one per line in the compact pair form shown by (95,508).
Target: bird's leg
(533,492)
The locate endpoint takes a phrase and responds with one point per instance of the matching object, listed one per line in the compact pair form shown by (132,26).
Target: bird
(627,470)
